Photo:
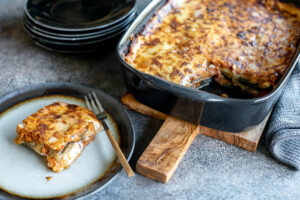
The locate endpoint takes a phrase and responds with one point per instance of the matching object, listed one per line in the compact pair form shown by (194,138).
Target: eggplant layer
(59,160)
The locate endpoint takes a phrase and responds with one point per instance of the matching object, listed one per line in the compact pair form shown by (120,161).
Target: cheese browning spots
(246,43)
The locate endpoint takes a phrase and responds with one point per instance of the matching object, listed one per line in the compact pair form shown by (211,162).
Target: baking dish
(235,114)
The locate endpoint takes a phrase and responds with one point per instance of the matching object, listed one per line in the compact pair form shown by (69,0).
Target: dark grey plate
(73,43)
(78,15)
(113,106)
(79,35)
(99,47)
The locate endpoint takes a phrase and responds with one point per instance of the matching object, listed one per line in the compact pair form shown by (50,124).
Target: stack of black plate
(77,25)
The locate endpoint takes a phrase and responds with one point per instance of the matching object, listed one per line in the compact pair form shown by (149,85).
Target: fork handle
(120,154)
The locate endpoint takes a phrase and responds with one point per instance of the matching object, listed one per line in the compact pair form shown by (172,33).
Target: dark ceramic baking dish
(235,114)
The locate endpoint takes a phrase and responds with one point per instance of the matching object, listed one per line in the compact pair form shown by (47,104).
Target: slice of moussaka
(243,43)
(59,132)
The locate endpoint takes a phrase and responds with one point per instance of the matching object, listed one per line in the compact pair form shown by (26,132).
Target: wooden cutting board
(162,156)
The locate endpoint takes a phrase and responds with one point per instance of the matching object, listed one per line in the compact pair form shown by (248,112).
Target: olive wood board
(162,156)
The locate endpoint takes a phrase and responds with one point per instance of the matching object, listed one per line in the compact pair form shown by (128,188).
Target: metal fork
(98,110)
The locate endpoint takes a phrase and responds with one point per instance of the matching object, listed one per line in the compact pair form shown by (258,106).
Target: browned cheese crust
(238,42)
(59,132)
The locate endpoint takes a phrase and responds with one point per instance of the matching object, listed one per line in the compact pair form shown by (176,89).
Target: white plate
(23,172)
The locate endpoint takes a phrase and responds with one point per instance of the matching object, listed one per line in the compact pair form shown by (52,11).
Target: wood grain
(131,103)
(162,156)
(119,153)
(247,140)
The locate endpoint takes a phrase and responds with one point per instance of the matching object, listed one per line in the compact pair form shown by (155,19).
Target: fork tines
(97,108)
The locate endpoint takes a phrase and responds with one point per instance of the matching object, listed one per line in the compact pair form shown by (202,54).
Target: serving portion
(58,125)
(248,44)
(59,132)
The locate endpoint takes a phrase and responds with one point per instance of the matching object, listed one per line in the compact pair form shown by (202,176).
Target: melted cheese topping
(188,41)
(59,131)
(56,125)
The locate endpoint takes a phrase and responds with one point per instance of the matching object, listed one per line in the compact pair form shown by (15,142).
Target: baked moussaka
(244,43)
(59,132)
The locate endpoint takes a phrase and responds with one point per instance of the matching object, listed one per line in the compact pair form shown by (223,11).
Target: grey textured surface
(210,169)
(283,134)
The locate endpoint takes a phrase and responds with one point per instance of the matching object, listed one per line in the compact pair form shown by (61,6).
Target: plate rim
(79,39)
(129,19)
(134,8)
(70,44)
(71,86)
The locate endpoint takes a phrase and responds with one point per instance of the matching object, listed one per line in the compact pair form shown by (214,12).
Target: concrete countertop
(211,169)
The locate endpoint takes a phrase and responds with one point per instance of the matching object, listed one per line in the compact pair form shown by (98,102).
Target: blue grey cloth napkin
(283,133)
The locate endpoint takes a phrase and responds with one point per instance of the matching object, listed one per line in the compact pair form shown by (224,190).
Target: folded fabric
(283,133)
